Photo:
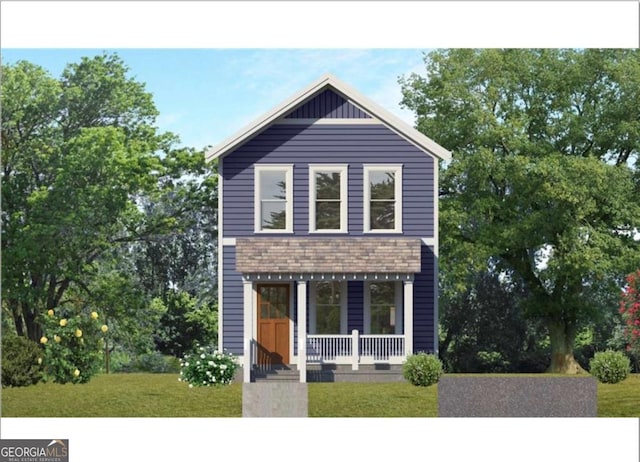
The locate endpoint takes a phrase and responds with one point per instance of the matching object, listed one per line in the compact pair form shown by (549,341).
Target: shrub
(72,342)
(21,362)
(422,369)
(207,367)
(610,366)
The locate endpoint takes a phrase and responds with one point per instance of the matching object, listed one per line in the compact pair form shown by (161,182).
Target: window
(328,307)
(328,198)
(383,308)
(382,198)
(274,198)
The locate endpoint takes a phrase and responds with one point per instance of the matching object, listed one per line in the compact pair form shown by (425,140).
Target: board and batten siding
(354,145)
(327,105)
(424,302)
(232,303)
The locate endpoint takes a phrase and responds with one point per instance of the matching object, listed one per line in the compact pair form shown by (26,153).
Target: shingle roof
(330,255)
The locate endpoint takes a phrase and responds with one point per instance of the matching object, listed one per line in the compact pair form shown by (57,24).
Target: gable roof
(329,81)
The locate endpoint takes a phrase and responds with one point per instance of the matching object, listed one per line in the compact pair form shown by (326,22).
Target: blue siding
(423,303)
(232,304)
(355,306)
(341,144)
(327,105)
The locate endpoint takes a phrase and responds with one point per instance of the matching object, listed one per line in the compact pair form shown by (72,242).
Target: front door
(273,324)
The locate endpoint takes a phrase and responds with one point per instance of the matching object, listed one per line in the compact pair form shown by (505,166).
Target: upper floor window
(382,198)
(274,198)
(328,198)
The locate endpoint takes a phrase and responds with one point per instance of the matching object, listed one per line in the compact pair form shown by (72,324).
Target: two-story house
(328,234)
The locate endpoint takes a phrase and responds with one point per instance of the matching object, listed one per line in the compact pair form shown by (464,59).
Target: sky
(206,95)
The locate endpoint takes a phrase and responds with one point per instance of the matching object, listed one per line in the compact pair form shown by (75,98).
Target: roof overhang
(328,255)
(329,81)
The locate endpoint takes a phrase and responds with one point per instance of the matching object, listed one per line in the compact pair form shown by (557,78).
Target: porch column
(302,330)
(408,316)
(247,363)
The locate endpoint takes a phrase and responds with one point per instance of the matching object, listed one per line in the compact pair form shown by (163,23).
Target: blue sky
(206,95)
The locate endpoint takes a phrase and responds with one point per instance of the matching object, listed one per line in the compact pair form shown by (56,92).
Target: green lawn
(161,395)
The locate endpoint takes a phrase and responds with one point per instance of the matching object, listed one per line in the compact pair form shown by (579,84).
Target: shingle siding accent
(327,105)
(330,255)
(354,145)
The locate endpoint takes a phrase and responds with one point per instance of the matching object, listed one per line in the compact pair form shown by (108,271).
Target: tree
(545,146)
(79,154)
(630,310)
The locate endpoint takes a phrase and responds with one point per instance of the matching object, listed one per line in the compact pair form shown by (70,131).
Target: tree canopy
(544,181)
(89,186)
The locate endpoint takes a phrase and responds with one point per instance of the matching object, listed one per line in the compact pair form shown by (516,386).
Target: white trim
(398,301)
(249,326)
(229,241)
(302,330)
(343,170)
(313,306)
(408,299)
(276,278)
(398,218)
(220,259)
(391,121)
(326,121)
(429,241)
(257,201)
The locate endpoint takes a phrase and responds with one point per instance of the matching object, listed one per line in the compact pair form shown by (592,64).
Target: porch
(327,302)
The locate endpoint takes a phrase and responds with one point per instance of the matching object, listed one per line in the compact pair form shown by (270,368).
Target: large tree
(81,154)
(545,148)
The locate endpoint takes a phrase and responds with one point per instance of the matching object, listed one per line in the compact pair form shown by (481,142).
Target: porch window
(274,198)
(327,308)
(383,308)
(328,198)
(382,198)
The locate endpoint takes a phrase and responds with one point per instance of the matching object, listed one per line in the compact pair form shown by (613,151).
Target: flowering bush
(207,367)
(422,369)
(610,366)
(630,310)
(72,344)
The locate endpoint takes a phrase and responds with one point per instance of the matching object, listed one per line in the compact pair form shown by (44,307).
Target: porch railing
(356,349)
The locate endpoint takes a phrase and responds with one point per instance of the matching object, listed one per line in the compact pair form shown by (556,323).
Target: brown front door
(273,324)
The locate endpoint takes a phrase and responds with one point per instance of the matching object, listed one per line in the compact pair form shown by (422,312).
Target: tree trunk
(562,336)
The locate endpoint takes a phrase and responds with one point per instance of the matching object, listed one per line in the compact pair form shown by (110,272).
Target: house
(328,236)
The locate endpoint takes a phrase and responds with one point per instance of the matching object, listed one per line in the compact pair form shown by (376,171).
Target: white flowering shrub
(207,367)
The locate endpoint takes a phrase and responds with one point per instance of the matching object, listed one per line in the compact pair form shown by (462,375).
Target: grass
(161,395)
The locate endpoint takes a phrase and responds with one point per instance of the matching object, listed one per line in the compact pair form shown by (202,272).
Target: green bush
(422,369)
(207,367)
(610,366)
(21,362)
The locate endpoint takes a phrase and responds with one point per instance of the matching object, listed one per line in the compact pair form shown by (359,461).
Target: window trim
(366,222)
(343,169)
(398,300)
(257,200)
(313,306)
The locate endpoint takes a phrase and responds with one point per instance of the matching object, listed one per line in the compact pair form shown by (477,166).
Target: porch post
(302,330)
(247,363)
(408,317)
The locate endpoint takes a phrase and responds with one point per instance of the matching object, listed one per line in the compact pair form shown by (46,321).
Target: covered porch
(358,313)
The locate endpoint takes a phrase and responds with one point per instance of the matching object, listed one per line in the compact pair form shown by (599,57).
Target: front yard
(161,395)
